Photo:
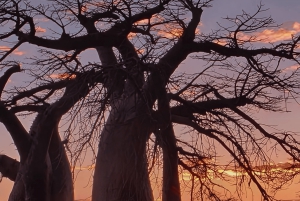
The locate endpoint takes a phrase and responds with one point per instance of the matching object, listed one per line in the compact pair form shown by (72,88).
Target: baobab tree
(130,101)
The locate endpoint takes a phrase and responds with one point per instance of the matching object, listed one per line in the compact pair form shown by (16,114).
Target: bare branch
(4,78)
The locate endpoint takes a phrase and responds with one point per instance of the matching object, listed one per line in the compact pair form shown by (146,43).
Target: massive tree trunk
(121,168)
(60,183)
(44,173)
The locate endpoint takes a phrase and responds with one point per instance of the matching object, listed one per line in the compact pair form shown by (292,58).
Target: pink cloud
(40,29)
(291,68)
(173,32)
(131,35)
(4,48)
(221,42)
(63,76)
(285,32)
(153,19)
(274,35)
(140,51)
(19,53)
(16,52)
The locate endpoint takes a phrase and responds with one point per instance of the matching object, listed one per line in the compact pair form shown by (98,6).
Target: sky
(284,12)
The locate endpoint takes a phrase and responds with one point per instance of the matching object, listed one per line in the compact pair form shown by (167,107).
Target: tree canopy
(146,118)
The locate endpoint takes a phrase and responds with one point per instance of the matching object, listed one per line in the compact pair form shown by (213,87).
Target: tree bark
(62,183)
(9,167)
(171,185)
(18,191)
(44,173)
(121,167)
(60,180)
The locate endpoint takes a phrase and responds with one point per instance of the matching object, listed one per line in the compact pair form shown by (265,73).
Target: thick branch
(9,167)
(167,141)
(188,108)
(108,14)
(80,42)
(37,172)
(209,47)
(51,86)
(149,12)
(26,108)
(114,81)
(18,133)
(189,32)
(74,91)
(4,78)
(62,187)
(178,53)
(131,59)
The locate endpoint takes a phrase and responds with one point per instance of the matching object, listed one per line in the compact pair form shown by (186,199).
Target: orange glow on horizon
(282,167)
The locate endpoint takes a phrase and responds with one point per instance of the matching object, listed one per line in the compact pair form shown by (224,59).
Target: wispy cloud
(274,35)
(220,42)
(63,76)
(154,19)
(16,52)
(131,35)
(163,29)
(282,167)
(285,32)
(40,29)
(170,32)
(4,48)
(19,53)
(291,68)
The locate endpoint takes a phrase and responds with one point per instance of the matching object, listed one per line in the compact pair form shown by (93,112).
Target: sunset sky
(284,12)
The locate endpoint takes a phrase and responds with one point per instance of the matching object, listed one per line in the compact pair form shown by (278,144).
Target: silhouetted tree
(130,101)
